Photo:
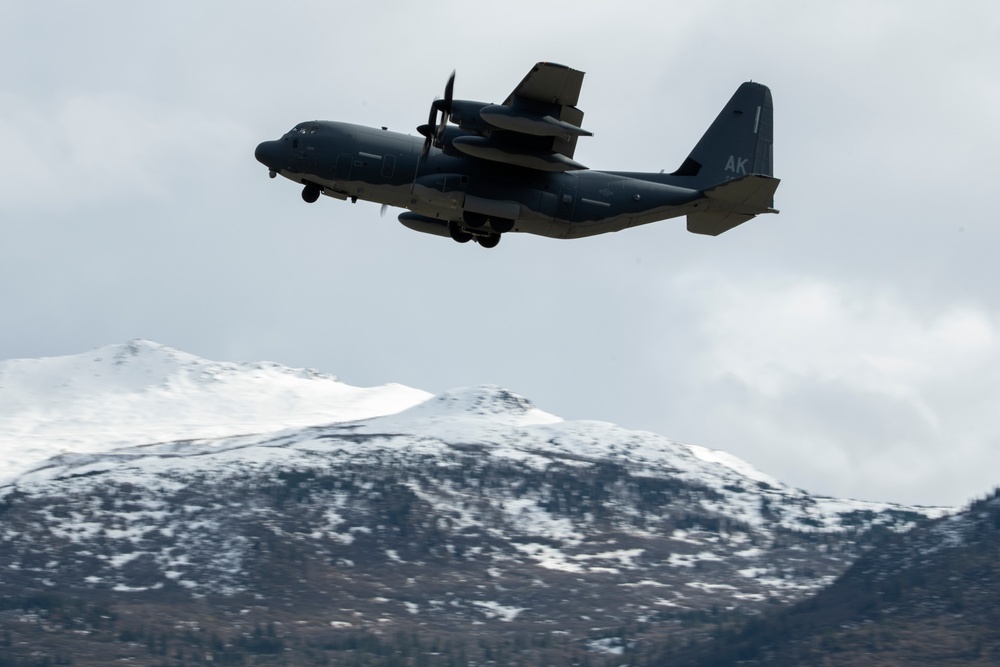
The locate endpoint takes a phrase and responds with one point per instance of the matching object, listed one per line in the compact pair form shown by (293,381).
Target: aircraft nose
(268,153)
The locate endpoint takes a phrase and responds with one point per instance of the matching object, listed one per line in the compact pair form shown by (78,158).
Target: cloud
(825,383)
(855,331)
(91,148)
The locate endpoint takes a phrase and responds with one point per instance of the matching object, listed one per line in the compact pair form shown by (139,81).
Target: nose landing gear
(310,193)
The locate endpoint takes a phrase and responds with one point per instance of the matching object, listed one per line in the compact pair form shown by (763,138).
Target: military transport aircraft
(510,168)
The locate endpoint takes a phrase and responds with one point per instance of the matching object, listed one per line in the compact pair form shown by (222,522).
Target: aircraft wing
(552,90)
(536,127)
(548,84)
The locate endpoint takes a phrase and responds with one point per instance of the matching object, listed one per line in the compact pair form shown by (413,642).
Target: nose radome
(267,153)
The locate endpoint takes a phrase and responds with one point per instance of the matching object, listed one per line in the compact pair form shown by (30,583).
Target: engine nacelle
(465,114)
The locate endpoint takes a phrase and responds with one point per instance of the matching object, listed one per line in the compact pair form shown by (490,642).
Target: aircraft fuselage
(354,162)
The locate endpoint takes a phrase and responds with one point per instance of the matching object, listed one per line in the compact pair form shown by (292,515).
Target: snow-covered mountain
(142,392)
(138,470)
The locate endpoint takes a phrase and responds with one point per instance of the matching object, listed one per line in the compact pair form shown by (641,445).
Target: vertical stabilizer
(738,143)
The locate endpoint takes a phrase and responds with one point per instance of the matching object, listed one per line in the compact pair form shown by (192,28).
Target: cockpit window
(305,128)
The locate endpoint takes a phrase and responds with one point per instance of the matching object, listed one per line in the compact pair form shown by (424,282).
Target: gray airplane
(509,167)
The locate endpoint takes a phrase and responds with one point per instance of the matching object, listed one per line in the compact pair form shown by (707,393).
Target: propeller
(434,133)
(445,104)
(428,131)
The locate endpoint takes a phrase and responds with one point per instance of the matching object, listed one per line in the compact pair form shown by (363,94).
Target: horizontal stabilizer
(732,203)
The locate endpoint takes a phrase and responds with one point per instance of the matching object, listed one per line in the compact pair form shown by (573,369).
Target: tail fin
(738,143)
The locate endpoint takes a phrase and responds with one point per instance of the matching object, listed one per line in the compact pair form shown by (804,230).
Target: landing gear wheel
(310,193)
(489,241)
(475,220)
(501,225)
(457,234)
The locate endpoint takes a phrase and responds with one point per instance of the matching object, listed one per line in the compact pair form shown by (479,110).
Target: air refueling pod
(421,223)
(482,147)
(507,118)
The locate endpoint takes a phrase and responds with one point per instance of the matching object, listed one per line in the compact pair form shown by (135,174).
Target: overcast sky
(849,346)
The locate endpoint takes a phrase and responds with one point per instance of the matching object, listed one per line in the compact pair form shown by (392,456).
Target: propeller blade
(428,130)
(439,135)
(449,90)
(432,131)
(445,106)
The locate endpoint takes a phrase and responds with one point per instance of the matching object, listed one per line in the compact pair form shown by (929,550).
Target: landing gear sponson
(484,236)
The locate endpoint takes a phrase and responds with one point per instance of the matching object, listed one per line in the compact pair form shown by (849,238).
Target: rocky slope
(925,597)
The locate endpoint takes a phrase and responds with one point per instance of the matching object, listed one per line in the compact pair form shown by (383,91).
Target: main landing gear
(487,240)
(478,220)
(458,234)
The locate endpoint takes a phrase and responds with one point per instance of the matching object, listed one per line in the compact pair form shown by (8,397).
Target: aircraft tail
(738,143)
(732,164)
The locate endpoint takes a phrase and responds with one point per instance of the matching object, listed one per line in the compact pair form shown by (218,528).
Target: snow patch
(497,610)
